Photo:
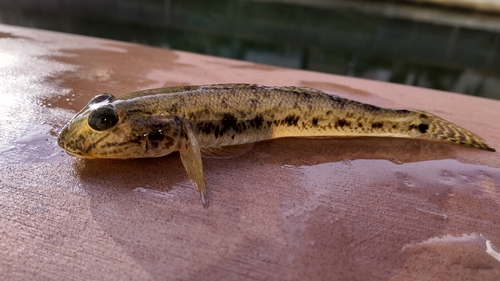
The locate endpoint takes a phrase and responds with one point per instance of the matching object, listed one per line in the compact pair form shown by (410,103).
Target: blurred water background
(451,45)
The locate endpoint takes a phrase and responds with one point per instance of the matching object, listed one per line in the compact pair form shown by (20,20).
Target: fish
(225,120)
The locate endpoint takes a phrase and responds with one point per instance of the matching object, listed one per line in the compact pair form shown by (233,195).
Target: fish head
(106,129)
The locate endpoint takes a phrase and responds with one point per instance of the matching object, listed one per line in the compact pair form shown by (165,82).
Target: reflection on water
(491,251)
(423,45)
(466,250)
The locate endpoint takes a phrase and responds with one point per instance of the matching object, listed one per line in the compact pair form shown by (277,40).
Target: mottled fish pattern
(197,120)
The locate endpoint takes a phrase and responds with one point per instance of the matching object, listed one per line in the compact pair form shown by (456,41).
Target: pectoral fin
(191,158)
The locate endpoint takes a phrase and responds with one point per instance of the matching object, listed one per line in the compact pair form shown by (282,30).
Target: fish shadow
(163,173)
(312,151)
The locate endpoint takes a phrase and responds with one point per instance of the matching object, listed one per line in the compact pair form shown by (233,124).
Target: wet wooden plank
(348,209)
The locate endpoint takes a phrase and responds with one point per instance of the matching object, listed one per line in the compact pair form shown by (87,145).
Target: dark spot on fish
(107,145)
(216,132)
(206,128)
(315,121)
(88,148)
(269,123)
(156,136)
(232,137)
(394,126)
(80,138)
(137,140)
(229,121)
(360,125)
(423,116)
(291,120)
(243,126)
(377,125)
(155,141)
(169,141)
(329,112)
(423,128)
(257,122)
(343,123)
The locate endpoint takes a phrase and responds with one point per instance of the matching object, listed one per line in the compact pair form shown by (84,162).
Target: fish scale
(211,119)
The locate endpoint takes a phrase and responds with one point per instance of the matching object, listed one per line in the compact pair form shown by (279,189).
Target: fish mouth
(76,154)
(62,142)
(73,152)
(61,139)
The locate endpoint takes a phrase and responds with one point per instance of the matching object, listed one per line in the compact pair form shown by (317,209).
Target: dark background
(449,48)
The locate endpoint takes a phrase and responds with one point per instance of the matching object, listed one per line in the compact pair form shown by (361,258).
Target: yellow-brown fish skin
(156,122)
(252,113)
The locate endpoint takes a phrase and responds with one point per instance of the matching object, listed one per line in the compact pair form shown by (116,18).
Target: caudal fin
(436,128)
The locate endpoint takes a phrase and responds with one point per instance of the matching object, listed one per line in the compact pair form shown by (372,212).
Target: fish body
(198,120)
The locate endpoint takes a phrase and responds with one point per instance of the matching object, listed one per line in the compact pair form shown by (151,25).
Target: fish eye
(100,98)
(102,119)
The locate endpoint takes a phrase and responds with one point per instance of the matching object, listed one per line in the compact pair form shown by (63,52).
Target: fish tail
(432,127)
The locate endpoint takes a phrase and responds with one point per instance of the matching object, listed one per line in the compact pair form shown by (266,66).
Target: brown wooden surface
(290,209)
